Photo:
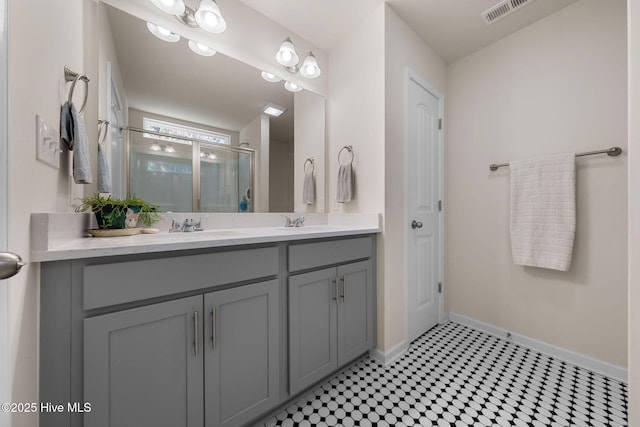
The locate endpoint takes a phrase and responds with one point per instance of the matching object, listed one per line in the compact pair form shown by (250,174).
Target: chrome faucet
(187,226)
(294,222)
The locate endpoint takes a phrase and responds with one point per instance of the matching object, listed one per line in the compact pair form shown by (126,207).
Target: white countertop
(55,249)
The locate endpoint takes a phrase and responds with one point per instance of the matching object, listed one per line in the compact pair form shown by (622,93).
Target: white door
(4,214)
(423,219)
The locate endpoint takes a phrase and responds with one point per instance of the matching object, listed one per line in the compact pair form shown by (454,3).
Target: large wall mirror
(226,154)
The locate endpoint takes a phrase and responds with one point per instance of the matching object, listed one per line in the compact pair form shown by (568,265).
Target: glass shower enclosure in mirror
(224,154)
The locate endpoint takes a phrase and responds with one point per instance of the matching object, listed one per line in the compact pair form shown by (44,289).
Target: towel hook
(73,77)
(349,148)
(313,165)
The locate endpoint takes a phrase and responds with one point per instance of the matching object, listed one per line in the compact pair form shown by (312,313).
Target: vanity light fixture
(201,49)
(174,7)
(270,77)
(209,18)
(206,15)
(273,110)
(155,147)
(162,33)
(292,87)
(289,59)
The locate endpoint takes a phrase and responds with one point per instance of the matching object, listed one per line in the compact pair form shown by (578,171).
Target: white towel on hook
(345,184)
(74,134)
(543,211)
(309,189)
(104,175)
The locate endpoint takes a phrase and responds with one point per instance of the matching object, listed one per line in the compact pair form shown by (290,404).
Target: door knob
(10,264)
(416,224)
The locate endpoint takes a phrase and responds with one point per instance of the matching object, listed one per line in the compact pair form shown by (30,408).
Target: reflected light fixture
(162,33)
(270,77)
(212,156)
(201,49)
(174,7)
(307,65)
(273,110)
(169,149)
(155,147)
(292,87)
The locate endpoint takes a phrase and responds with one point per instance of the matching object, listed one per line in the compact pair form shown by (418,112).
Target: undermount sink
(195,234)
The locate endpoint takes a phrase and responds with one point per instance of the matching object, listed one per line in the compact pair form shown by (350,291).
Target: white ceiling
(453,28)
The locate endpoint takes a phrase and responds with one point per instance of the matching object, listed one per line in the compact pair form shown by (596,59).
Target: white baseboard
(391,355)
(605,368)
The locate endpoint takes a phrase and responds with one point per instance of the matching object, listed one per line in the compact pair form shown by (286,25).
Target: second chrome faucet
(187,226)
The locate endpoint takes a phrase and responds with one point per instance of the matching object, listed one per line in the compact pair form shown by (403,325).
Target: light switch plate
(47,143)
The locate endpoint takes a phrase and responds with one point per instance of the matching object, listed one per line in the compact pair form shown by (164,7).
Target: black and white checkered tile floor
(457,376)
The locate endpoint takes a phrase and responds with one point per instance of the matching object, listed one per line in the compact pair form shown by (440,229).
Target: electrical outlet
(47,143)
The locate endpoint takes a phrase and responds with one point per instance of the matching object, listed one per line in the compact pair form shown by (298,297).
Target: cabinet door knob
(416,224)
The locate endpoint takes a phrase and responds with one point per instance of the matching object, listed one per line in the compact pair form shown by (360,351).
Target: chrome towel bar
(611,152)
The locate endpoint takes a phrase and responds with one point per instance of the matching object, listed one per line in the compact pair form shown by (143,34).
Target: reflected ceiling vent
(503,9)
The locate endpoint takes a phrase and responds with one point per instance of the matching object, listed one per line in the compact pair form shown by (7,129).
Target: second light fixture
(307,65)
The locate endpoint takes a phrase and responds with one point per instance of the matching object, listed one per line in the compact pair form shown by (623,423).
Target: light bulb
(310,69)
(162,33)
(201,48)
(286,55)
(211,19)
(270,77)
(292,87)
(174,7)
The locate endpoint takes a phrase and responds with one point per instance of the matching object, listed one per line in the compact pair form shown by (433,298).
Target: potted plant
(110,212)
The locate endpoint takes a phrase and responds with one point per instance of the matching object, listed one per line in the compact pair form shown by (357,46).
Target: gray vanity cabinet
(143,367)
(330,321)
(241,353)
(313,330)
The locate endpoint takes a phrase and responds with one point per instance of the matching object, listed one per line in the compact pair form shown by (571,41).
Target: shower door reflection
(179,174)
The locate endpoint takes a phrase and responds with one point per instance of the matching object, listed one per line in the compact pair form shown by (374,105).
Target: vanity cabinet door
(312,328)
(143,367)
(355,311)
(241,355)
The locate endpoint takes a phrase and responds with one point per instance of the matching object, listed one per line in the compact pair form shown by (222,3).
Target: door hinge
(439,287)
(439,124)
(440,205)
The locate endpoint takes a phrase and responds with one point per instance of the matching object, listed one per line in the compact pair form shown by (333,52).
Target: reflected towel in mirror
(309,189)
(104,176)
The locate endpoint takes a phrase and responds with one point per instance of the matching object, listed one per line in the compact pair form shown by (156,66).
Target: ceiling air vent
(502,9)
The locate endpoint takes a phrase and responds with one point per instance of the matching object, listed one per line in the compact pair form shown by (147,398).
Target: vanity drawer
(117,283)
(312,255)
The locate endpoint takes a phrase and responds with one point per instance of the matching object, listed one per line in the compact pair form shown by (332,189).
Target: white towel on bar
(543,211)
(309,189)
(345,184)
